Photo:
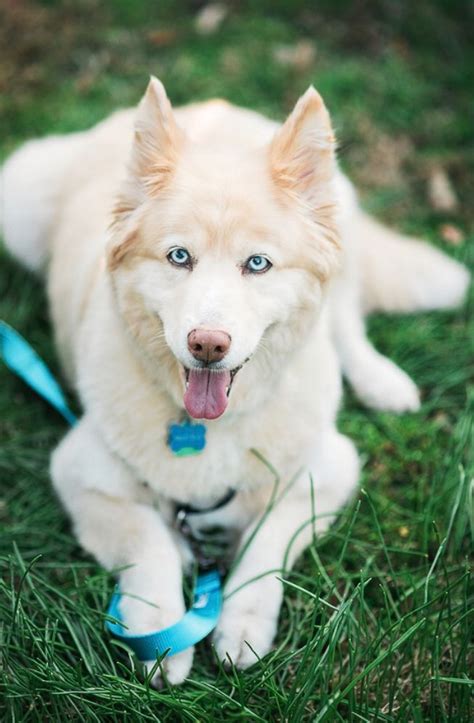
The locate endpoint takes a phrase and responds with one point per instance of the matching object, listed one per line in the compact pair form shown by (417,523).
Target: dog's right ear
(156,147)
(157,141)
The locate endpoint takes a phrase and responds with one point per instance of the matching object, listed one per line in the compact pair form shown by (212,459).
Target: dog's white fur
(226,183)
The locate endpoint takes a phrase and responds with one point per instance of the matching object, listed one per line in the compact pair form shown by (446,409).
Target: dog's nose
(208,345)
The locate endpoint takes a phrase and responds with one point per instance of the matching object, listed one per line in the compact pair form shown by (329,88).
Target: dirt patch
(378,159)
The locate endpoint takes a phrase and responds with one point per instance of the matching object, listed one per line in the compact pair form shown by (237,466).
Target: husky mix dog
(212,263)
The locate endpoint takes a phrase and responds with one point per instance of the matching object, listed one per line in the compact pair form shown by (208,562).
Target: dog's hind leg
(402,274)
(376,380)
(103,500)
(389,272)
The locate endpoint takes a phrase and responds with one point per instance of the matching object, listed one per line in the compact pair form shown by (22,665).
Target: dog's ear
(156,147)
(302,166)
(157,141)
(302,153)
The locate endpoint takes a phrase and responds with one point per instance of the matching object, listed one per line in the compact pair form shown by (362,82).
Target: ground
(375,623)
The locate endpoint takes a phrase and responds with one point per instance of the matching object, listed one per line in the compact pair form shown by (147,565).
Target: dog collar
(182,510)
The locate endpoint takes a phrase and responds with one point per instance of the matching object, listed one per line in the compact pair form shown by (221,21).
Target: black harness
(206,548)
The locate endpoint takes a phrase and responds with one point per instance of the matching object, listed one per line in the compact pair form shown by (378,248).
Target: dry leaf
(451,234)
(210,18)
(441,194)
(300,56)
(163,38)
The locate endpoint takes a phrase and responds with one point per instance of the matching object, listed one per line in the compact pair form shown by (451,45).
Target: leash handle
(198,622)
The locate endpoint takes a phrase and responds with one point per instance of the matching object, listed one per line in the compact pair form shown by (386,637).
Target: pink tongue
(205,396)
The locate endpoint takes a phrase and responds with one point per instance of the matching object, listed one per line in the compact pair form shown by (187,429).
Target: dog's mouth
(207,391)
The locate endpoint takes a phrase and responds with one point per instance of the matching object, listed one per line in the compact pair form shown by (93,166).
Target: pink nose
(208,345)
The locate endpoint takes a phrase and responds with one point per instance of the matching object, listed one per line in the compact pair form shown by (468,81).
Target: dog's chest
(240,456)
(227,461)
(205,474)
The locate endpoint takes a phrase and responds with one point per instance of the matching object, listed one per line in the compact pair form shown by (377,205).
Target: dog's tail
(31,185)
(403,274)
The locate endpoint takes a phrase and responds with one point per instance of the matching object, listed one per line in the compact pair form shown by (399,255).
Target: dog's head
(219,254)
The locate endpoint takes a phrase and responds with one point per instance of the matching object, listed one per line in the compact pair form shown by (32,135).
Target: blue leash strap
(202,618)
(198,622)
(22,359)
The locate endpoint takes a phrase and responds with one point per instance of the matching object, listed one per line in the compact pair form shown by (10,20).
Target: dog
(212,264)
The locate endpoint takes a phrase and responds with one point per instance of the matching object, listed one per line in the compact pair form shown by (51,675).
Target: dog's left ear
(302,153)
(302,166)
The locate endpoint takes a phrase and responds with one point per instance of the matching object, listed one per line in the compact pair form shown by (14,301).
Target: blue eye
(257,264)
(180,257)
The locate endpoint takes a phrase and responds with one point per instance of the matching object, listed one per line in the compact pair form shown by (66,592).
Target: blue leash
(23,361)
(193,626)
(202,618)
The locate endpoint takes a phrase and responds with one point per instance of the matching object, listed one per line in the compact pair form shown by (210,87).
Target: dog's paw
(141,617)
(243,636)
(175,669)
(381,385)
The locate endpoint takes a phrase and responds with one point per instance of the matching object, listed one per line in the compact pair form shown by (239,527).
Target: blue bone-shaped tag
(186,438)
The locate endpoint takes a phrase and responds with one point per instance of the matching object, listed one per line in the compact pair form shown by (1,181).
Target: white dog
(225,279)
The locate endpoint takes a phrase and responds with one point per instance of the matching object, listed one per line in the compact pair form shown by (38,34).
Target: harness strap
(198,622)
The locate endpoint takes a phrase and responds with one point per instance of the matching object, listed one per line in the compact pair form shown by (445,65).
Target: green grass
(376,619)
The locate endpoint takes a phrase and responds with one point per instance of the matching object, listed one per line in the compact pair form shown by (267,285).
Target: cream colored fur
(225,183)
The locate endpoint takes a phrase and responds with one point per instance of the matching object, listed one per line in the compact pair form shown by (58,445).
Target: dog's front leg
(271,545)
(101,496)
